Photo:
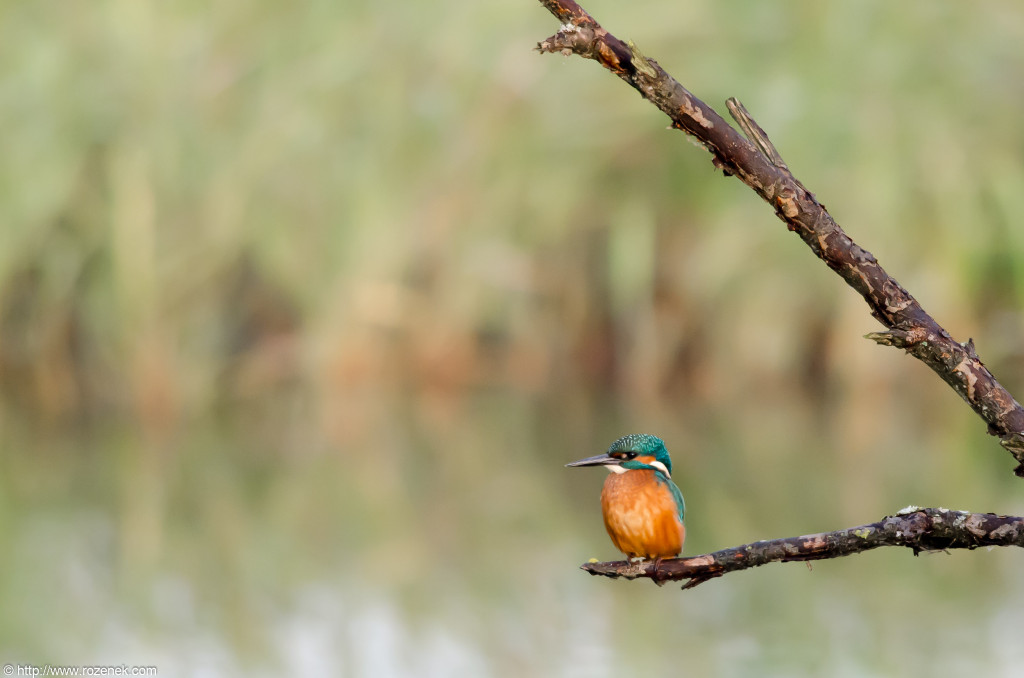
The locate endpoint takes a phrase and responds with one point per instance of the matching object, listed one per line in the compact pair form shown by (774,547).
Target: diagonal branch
(757,164)
(919,529)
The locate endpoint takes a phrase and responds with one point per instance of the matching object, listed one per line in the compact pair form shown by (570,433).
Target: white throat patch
(615,468)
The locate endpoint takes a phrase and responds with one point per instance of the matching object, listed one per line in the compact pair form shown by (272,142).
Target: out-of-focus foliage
(301,298)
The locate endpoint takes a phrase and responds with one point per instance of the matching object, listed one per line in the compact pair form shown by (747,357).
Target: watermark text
(69,670)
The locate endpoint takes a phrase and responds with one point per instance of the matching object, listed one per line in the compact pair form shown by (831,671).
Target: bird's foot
(636,566)
(656,575)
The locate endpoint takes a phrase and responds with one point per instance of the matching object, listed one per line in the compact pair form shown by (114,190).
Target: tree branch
(919,529)
(757,164)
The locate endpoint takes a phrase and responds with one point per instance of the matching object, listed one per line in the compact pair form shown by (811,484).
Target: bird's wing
(676,494)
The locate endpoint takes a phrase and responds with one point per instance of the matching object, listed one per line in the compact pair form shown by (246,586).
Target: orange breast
(641,516)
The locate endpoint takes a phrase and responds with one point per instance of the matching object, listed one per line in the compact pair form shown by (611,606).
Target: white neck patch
(658,465)
(615,468)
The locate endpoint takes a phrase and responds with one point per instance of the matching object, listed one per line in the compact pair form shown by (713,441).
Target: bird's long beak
(596,460)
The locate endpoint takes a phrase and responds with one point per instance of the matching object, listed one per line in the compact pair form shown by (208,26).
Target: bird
(643,508)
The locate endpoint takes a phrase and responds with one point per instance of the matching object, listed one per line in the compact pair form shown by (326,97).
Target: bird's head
(633,452)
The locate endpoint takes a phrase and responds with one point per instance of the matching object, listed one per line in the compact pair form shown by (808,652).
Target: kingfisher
(643,509)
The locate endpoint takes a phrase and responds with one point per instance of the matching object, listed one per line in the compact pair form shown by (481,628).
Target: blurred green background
(303,307)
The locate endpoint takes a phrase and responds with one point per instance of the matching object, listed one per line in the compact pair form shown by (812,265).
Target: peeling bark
(757,163)
(919,529)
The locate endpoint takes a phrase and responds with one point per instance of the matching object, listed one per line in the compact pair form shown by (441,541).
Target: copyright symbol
(8,669)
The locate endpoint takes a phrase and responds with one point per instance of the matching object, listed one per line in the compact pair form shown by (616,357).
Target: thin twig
(919,529)
(760,167)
